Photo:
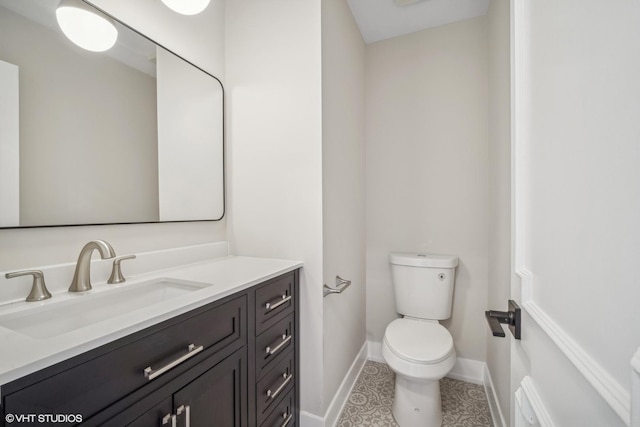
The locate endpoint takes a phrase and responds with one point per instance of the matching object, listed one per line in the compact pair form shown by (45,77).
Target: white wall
(202,40)
(197,38)
(578,207)
(343,191)
(498,360)
(274,134)
(190,141)
(427,168)
(9,144)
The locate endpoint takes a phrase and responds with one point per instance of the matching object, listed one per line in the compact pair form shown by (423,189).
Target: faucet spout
(82,277)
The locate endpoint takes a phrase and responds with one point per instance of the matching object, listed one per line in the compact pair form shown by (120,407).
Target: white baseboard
(492,399)
(468,370)
(307,419)
(375,351)
(341,397)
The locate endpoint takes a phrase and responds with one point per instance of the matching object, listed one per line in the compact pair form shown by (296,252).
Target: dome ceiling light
(85,26)
(187,7)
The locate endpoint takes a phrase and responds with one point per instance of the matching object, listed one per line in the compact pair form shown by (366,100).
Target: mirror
(131,135)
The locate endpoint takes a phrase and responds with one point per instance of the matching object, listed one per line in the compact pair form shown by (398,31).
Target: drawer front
(274,300)
(283,414)
(274,385)
(103,380)
(273,343)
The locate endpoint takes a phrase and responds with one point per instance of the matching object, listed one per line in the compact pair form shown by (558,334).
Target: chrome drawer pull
(169,417)
(287,419)
(187,414)
(273,305)
(287,378)
(271,351)
(192,351)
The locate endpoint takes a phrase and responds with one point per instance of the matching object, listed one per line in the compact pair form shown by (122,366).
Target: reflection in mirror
(134,134)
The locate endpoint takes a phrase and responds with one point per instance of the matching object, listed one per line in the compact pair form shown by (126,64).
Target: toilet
(416,347)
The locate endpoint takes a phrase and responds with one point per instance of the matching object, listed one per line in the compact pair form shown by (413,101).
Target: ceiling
(383,19)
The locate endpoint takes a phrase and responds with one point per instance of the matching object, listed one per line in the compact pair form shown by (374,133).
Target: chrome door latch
(513,318)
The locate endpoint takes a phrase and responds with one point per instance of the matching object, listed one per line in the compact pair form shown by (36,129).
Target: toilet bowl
(416,347)
(420,353)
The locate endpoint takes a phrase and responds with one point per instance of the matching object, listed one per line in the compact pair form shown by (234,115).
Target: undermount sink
(55,319)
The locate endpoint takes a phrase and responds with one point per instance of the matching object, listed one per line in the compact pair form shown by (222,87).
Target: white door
(576,211)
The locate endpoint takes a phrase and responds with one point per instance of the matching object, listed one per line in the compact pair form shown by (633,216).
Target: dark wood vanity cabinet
(276,353)
(232,363)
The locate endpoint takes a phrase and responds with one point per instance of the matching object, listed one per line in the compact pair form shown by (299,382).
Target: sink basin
(55,319)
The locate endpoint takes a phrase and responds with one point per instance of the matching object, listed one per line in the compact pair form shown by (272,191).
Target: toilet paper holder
(512,318)
(341,285)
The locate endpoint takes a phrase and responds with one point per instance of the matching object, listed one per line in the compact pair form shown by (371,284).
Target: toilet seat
(418,349)
(419,341)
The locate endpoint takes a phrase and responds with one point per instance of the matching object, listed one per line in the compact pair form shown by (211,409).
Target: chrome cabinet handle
(271,351)
(287,419)
(273,305)
(192,351)
(187,414)
(287,378)
(169,417)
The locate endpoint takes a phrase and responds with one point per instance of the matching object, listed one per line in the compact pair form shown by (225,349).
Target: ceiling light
(85,26)
(187,7)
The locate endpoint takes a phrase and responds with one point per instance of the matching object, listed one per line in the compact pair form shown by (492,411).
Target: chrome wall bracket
(341,285)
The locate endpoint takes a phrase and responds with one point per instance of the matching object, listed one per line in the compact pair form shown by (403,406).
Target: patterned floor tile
(463,404)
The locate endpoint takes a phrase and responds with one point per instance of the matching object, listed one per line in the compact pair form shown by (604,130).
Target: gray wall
(498,360)
(343,57)
(427,168)
(275,153)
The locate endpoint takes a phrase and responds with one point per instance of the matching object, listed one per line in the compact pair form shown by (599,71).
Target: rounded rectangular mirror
(131,135)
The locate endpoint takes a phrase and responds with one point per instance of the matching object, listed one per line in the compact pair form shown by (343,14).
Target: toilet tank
(423,284)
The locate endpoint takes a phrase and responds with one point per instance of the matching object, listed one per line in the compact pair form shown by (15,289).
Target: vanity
(224,353)
(193,336)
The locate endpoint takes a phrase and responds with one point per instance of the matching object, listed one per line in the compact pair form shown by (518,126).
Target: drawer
(284,413)
(274,342)
(101,381)
(274,300)
(274,385)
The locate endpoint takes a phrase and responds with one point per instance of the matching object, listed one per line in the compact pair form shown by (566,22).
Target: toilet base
(417,402)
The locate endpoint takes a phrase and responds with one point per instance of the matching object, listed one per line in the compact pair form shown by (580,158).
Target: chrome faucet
(82,277)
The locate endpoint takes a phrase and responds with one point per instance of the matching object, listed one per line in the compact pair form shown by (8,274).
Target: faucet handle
(39,290)
(116,272)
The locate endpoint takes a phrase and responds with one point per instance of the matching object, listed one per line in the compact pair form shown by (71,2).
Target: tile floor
(463,404)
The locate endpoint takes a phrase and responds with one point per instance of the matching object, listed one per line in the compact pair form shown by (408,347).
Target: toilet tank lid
(424,260)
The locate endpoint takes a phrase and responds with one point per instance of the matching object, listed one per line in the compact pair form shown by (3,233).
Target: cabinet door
(155,416)
(217,397)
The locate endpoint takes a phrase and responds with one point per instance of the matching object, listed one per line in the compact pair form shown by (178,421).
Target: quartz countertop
(21,354)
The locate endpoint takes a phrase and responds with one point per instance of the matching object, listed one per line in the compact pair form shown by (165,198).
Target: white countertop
(21,355)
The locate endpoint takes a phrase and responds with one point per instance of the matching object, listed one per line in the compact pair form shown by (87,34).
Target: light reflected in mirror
(134,134)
